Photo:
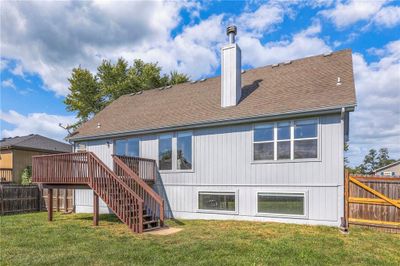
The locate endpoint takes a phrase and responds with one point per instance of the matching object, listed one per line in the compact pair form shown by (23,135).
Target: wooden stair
(132,200)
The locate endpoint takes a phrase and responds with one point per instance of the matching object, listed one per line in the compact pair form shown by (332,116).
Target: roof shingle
(35,142)
(302,85)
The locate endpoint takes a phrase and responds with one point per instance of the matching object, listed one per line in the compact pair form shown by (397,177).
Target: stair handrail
(136,196)
(143,184)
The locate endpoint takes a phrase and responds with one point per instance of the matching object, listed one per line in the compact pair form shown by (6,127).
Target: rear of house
(264,144)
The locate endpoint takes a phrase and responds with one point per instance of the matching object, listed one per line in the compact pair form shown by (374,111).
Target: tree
(383,158)
(372,161)
(89,93)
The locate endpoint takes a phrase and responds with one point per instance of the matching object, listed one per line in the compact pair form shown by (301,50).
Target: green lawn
(72,240)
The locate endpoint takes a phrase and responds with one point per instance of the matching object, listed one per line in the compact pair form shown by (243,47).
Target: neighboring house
(264,144)
(16,153)
(392,169)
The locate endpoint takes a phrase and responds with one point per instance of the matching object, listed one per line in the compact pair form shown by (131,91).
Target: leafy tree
(383,158)
(26,176)
(90,93)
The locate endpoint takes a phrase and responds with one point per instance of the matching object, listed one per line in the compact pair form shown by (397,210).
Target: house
(392,169)
(16,153)
(264,144)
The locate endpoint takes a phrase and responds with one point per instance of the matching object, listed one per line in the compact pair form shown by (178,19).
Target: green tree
(384,158)
(84,96)
(90,93)
(370,162)
(26,176)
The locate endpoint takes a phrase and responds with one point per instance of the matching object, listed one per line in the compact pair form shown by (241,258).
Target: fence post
(346,200)
(50,205)
(95,209)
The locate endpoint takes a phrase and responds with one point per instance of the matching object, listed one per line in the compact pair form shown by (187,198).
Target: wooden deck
(125,190)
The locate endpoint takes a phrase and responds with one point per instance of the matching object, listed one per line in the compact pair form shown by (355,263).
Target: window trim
(218,192)
(127,138)
(174,136)
(283,215)
(292,139)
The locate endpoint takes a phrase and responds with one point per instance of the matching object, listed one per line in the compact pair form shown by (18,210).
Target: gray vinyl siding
(222,160)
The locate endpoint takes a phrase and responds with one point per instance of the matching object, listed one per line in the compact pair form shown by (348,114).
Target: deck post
(50,205)
(95,209)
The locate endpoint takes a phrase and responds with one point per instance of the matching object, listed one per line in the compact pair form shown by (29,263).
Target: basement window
(276,203)
(217,201)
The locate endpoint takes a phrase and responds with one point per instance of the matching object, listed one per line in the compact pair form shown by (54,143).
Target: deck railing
(153,203)
(65,168)
(87,168)
(146,169)
(6,174)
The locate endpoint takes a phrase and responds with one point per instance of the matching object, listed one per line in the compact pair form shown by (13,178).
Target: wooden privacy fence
(373,201)
(18,199)
(63,199)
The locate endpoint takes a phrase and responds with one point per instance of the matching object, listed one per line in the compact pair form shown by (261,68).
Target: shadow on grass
(102,217)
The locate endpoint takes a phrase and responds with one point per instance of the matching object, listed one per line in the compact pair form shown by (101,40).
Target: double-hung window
(165,152)
(264,142)
(175,151)
(127,147)
(286,140)
(305,139)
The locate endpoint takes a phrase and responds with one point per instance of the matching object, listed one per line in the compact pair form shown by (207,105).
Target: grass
(72,240)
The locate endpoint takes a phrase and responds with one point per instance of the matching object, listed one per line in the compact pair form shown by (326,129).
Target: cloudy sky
(42,41)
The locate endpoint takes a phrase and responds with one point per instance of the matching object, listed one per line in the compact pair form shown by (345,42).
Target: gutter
(224,122)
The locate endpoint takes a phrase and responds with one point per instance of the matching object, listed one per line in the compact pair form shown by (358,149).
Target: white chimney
(231,80)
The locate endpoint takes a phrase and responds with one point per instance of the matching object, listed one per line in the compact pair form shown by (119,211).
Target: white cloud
(302,44)
(50,39)
(3,64)
(35,123)
(376,121)
(388,17)
(8,83)
(345,14)
(262,19)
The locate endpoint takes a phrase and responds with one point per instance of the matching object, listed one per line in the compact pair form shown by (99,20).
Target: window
(127,147)
(81,147)
(264,142)
(184,151)
(286,140)
(165,152)
(305,139)
(281,203)
(175,151)
(283,142)
(217,201)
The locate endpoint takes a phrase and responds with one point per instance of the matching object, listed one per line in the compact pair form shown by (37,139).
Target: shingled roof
(34,142)
(298,86)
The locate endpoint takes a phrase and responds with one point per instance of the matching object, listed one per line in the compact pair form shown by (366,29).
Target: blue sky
(42,41)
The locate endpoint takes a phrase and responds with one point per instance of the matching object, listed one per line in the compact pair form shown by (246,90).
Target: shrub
(26,177)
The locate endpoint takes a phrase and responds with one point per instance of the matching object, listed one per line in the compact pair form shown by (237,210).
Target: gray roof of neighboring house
(387,166)
(300,86)
(34,142)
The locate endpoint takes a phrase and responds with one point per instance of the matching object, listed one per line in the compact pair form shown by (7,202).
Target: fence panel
(63,199)
(18,199)
(374,201)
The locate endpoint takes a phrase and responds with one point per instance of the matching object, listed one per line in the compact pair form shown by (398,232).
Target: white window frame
(283,215)
(292,139)
(78,147)
(265,141)
(174,137)
(218,192)
(126,147)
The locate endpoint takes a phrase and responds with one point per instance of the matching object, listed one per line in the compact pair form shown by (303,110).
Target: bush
(26,177)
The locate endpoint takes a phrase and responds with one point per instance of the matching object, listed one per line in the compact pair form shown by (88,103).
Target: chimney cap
(231,29)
